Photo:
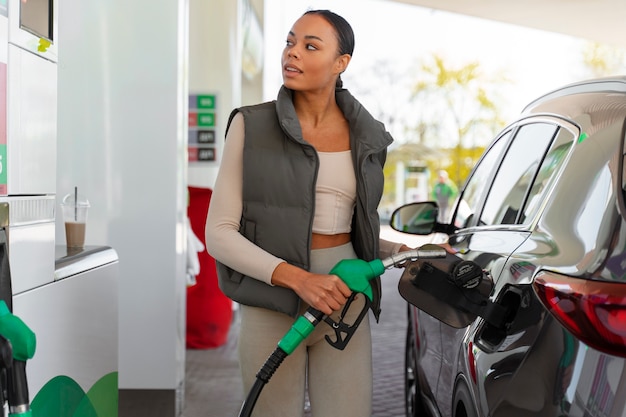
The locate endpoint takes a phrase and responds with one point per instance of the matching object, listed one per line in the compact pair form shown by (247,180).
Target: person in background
(297,191)
(444,193)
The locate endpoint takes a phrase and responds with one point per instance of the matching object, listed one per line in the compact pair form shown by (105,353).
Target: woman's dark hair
(345,35)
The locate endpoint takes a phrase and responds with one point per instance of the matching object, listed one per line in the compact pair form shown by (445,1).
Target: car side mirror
(415,218)
(419,219)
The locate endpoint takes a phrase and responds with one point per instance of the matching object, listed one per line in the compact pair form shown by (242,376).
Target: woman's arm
(223,240)
(387,248)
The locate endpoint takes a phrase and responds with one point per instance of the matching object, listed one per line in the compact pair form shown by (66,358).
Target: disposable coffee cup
(75,207)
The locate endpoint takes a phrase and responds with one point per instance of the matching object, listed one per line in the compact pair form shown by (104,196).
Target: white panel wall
(122,140)
(215,44)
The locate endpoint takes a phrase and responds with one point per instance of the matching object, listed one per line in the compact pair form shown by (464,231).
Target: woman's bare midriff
(329,241)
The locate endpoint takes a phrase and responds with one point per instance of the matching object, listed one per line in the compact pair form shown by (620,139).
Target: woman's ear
(342,63)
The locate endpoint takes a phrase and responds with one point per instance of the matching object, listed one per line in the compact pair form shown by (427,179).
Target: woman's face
(311,59)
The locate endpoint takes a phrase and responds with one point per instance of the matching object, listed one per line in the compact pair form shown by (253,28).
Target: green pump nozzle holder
(22,338)
(23,343)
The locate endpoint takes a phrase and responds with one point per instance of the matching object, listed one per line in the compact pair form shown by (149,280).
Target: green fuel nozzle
(357,274)
(23,343)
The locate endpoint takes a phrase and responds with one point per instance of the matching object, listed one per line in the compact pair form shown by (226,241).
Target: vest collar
(364,129)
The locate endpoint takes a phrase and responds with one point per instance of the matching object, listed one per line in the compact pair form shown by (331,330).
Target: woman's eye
(288,43)
(311,47)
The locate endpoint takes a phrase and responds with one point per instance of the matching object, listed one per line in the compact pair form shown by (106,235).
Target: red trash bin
(209,311)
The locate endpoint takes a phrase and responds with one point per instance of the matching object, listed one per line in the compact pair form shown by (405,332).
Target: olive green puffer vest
(279,176)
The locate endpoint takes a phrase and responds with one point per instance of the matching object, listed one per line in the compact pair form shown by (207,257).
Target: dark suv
(543,217)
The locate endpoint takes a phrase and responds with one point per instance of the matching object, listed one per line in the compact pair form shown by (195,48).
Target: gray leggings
(339,381)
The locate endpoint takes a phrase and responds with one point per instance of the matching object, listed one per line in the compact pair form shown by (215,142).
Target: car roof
(616,84)
(592,104)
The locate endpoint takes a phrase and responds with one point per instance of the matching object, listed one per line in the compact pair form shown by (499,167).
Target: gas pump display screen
(36,17)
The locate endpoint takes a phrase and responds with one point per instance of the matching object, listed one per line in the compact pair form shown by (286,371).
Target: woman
(297,191)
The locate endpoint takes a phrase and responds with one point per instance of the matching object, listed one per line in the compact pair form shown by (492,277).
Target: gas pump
(27,182)
(79,287)
(62,295)
(17,340)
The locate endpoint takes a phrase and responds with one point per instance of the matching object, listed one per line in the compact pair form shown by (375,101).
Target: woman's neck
(316,109)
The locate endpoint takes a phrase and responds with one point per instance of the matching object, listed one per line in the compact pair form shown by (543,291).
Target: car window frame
(506,134)
(512,131)
(559,140)
(509,170)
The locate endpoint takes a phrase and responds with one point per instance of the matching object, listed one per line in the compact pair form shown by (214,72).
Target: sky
(536,61)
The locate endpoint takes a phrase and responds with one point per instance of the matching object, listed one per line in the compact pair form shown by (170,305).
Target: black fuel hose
(299,331)
(262,377)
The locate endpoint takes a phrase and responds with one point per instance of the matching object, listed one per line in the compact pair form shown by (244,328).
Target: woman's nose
(292,52)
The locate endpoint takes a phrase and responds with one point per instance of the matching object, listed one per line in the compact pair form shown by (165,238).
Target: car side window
(469,201)
(517,173)
(551,163)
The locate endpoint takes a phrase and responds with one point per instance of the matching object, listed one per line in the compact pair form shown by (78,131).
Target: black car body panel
(543,213)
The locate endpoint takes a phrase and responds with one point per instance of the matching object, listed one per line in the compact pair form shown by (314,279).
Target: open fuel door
(452,290)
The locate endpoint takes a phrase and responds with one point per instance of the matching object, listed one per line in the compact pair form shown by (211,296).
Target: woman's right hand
(323,292)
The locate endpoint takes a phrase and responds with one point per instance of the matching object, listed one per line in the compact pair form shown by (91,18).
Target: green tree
(439,115)
(464,103)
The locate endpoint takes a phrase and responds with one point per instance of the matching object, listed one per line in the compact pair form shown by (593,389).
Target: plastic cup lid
(75,200)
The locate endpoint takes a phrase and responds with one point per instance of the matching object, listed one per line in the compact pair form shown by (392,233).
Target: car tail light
(593,311)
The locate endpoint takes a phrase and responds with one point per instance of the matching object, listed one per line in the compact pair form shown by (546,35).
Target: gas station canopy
(597,20)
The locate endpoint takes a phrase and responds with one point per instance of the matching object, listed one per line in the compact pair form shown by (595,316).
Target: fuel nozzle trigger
(360,276)
(343,330)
